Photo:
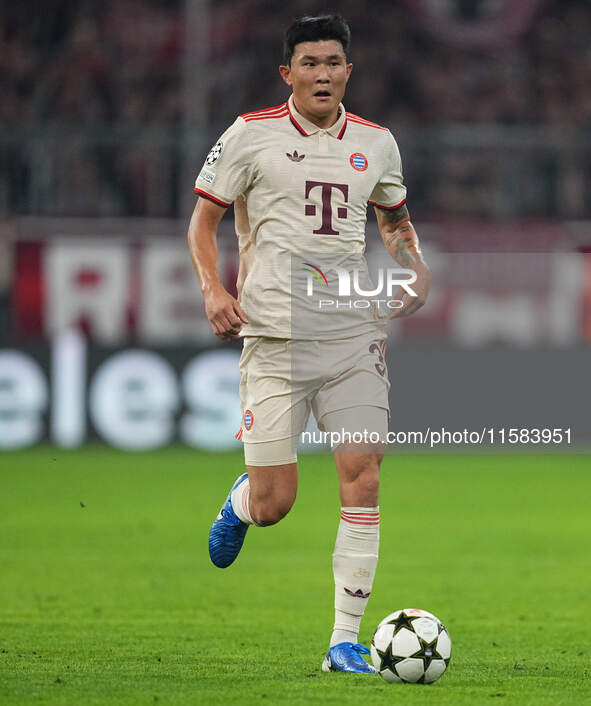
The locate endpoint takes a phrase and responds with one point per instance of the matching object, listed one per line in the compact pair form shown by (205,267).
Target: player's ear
(349,68)
(285,72)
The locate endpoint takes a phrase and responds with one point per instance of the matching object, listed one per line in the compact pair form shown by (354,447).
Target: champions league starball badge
(214,153)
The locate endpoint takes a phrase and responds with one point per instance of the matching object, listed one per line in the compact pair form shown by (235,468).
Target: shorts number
(381,364)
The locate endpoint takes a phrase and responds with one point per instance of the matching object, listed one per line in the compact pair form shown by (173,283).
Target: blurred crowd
(94,100)
(410,71)
(90,93)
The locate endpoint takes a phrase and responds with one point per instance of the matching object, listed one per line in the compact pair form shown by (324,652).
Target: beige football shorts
(343,382)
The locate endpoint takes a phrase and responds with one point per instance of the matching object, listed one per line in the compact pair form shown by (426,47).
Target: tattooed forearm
(402,245)
(397,215)
(399,236)
(403,232)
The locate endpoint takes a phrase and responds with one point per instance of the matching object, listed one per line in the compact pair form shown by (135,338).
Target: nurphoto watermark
(352,290)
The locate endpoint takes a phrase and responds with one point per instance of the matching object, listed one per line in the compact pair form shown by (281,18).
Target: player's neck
(323,122)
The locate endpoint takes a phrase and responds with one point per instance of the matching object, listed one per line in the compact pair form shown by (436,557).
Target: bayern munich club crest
(358,161)
(248,419)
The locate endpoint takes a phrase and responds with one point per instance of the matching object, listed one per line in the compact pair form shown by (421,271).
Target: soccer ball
(411,645)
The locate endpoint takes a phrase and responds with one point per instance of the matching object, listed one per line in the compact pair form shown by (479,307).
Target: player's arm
(223,311)
(402,242)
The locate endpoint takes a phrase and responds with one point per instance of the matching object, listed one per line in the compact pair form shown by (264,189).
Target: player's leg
(355,555)
(361,433)
(272,492)
(272,417)
(262,497)
(268,489)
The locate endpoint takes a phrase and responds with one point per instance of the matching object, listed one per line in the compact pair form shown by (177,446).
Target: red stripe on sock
(360,522)
(365,524)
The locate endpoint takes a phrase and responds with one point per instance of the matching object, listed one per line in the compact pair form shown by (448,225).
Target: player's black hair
(315,29)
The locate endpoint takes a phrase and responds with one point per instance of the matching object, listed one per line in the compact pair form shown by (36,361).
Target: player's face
(318,75)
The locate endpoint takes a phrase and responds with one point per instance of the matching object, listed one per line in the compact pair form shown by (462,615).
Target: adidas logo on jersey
(295,157)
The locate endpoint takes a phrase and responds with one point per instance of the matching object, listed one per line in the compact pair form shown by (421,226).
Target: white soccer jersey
(297,189)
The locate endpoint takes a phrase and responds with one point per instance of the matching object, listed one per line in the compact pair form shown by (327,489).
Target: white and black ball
(411,645)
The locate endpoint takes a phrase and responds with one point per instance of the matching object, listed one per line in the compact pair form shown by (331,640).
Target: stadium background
(107,112)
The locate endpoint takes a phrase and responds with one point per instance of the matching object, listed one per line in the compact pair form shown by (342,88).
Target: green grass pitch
(107,595)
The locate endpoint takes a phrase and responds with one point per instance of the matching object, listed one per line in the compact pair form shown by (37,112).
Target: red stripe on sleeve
(388,208)
(211,198)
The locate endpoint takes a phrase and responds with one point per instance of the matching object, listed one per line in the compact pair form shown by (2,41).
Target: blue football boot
(227,532)
(346,657)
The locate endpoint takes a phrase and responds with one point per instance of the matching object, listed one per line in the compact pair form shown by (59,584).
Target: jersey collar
(306,128)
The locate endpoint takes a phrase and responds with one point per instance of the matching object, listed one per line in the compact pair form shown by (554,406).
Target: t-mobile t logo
(327,187)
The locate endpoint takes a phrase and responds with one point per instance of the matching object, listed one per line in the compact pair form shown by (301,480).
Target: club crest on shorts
(358,161)
(248,419)
(214,153)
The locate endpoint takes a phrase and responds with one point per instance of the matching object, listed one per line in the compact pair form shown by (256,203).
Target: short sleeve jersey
(297,188)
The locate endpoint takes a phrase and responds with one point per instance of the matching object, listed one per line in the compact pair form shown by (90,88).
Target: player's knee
(360,480)
(362,468)
(269,513)
(367,484)
(269,510)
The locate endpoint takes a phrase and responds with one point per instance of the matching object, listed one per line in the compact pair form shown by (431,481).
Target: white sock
(354,566)
(240,498)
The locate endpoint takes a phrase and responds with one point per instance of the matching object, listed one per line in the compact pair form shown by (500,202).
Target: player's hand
(225,314)
(411,304)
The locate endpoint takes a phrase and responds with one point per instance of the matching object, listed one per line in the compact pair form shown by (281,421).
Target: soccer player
(300,176)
